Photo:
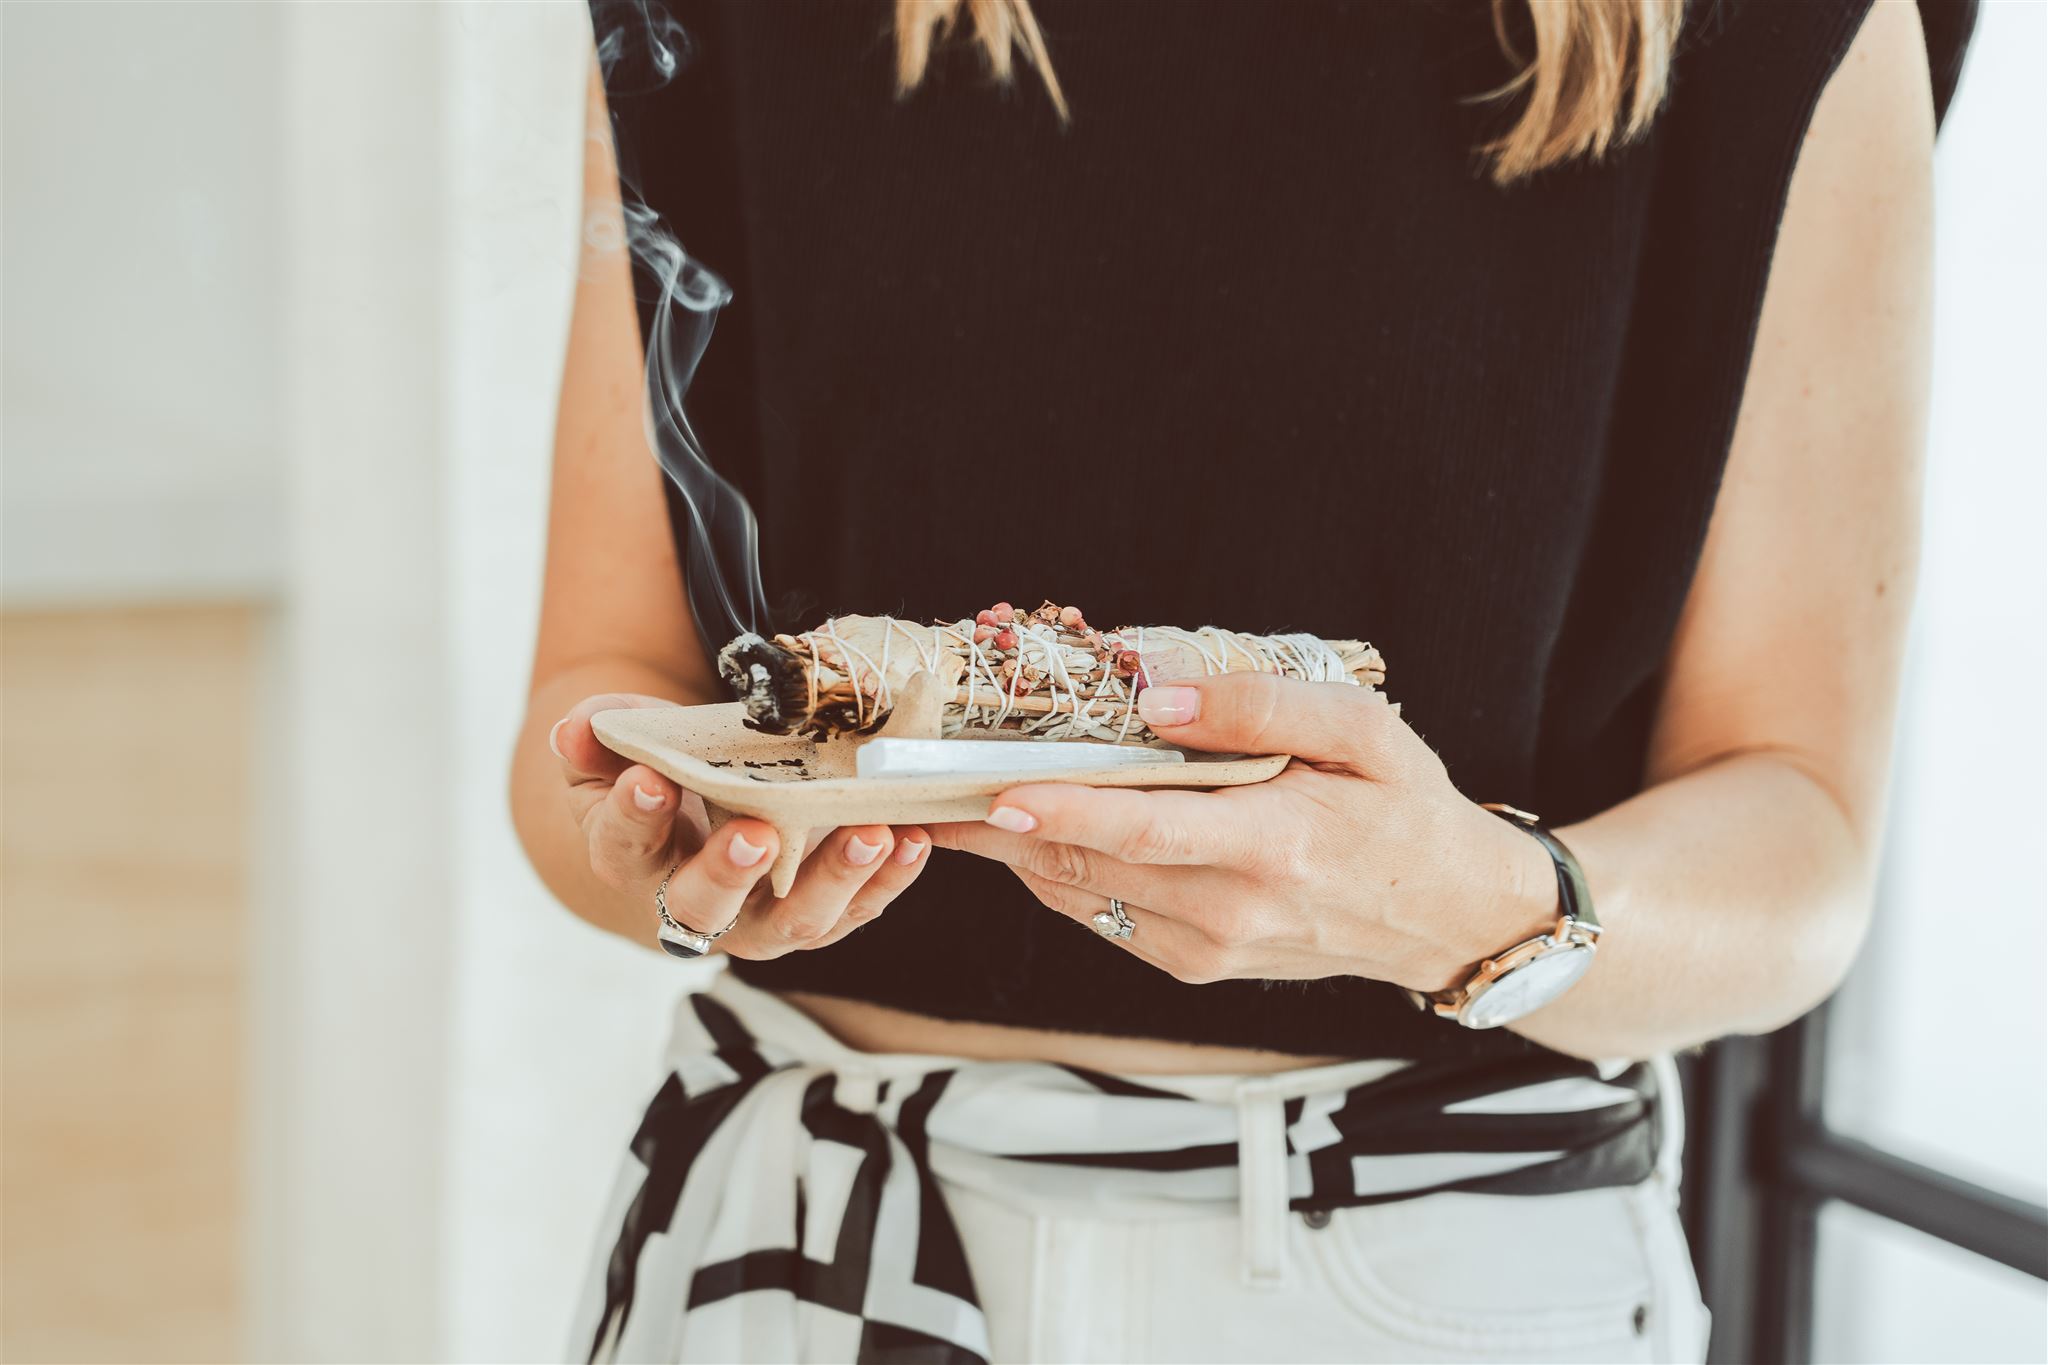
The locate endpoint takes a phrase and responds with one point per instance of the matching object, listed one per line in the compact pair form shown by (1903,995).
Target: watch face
(1528,988)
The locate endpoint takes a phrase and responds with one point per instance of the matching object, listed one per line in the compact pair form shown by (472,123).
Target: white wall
(354,932)
(455,1062)
(557,1029)
(286,291)
(141,367)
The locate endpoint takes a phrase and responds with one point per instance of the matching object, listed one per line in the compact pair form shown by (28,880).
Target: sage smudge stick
(1044,673)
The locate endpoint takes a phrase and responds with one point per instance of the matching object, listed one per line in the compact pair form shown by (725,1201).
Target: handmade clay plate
(798,785)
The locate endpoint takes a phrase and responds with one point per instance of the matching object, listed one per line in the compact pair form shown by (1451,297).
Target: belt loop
(1670,1103)
(1262,1184)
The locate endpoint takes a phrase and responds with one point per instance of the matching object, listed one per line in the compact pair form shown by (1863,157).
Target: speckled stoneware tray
(799,785)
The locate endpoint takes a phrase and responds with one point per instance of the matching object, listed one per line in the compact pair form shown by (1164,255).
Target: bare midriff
(879,1028)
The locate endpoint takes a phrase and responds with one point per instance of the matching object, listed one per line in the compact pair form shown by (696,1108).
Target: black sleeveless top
(1251,343)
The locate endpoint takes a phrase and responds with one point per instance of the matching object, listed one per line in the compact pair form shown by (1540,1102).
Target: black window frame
(1763,1162)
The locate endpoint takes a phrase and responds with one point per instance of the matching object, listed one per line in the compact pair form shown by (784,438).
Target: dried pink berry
(1006,639)
(983,634)
(1004,613)
(984,618)
(1070,616)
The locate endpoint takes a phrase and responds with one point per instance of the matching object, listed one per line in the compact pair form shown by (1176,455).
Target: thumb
(1259,713)
(582,753)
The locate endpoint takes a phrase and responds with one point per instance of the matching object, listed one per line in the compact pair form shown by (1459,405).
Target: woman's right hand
(638,824)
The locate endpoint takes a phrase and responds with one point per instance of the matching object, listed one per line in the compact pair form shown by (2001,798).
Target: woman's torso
(877,1028)
(1252,343)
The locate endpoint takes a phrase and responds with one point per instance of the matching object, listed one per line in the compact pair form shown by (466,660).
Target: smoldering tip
(769,681)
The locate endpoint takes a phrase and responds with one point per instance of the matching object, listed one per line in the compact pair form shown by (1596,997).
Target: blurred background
(300,1062)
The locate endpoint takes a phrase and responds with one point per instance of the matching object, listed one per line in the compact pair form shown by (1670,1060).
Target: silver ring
(1115,922)
(679,940)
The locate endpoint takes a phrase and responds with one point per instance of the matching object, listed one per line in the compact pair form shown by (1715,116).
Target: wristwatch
(1536,971)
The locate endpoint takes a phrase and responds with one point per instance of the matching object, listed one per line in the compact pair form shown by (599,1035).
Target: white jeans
(1597,1275)
(1594,1275)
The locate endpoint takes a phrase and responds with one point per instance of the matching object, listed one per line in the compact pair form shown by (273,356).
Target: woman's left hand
(1361,859)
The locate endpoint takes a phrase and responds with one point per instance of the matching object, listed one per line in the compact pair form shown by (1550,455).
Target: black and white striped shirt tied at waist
(782,1197)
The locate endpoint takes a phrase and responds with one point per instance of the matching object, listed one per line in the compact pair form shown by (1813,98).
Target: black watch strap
(1574,897)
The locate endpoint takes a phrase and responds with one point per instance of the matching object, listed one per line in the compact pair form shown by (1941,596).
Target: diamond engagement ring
(1115,922)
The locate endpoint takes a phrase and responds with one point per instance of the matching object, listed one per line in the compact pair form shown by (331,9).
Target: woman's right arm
(616,630)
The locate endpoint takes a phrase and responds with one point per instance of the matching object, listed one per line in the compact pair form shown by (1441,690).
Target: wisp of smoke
(640,47)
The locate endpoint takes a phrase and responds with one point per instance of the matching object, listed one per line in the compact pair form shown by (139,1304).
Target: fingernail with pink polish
(743,853)
(647,800)
(1169,705)
(908,851)
(1014,820)
(554,747)
(860,852)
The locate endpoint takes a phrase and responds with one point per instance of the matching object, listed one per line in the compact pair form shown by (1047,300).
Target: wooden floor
(124,782)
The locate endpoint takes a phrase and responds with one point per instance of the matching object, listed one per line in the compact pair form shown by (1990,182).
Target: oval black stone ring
(679,940)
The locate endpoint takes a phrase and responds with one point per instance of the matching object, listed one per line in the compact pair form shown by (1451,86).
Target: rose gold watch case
(1567,935)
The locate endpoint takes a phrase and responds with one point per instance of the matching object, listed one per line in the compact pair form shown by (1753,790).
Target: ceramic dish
(798,785)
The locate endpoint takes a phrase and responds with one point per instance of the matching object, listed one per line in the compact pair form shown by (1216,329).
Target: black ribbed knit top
(1252,343)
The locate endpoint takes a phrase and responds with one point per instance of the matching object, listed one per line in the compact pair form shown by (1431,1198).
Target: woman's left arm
(1736,887)
(1739,884)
